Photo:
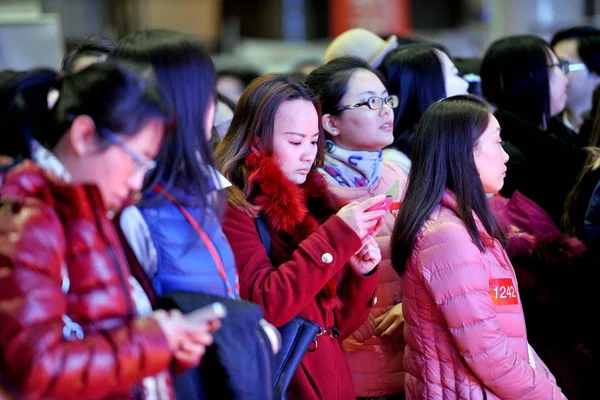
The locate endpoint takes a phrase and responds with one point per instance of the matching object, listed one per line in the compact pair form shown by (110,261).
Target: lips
(387,125)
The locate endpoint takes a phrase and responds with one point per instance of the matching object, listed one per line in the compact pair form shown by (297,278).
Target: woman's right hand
(189,335)
(357,217)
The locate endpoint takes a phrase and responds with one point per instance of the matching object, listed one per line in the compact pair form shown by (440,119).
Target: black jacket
(543,165)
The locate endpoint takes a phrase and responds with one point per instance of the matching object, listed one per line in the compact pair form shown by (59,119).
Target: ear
(330,124)
(82,138)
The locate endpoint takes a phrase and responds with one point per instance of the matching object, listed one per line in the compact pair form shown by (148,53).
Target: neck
(574,115)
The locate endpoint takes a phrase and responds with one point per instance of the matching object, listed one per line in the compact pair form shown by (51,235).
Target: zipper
(266,352)
(111,252)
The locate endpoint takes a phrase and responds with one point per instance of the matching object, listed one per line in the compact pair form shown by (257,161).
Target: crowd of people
(436,219)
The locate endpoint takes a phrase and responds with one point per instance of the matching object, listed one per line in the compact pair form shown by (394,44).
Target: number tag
(503,292)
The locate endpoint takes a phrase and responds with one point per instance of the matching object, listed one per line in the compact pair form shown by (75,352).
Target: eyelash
(299,143)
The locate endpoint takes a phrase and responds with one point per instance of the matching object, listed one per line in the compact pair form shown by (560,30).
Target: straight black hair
(443,159)
(514,77)
(414,73)
(588,44)
(187,79)
(119,97)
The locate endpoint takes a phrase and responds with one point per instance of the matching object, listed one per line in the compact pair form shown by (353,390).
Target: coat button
(375,300)
(327,258)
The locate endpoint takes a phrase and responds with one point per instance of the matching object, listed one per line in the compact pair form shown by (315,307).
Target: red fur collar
(297,210)
(286,206)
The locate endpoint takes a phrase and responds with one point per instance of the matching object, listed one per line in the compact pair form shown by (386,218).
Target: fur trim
(288,207)
(297,210)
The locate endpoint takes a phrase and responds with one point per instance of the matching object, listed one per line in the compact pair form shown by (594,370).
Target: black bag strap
(263,232)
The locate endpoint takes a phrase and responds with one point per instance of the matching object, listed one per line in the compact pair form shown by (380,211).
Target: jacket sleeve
(283,291)
(356,293)
(39,362)
(459,284)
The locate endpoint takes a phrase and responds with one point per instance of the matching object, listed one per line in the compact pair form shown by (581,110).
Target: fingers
(377,228)
(384,325)
(366,204)
(190,353)
(204,338)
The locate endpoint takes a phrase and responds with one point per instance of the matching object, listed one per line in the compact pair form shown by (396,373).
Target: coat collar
(286,205)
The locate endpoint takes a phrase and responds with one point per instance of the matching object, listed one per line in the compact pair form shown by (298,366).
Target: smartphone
(384,205)
(208,313)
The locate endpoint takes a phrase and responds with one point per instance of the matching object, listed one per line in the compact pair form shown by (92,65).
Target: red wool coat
(45,223)
(307,272)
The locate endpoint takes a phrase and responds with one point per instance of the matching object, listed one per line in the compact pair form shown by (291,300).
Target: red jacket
(307,273)
(45,223)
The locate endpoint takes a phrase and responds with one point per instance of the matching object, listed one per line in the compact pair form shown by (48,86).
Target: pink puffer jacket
(377,364)
(465,330)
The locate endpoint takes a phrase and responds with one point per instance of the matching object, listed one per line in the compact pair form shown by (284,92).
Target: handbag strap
(207,242)
(263,232)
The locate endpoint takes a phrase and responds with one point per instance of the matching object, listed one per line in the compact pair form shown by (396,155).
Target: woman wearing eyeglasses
(74,323)
(358,119)
(419,75)
(525,80)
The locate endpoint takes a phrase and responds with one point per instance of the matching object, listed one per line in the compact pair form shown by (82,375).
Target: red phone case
(384,205)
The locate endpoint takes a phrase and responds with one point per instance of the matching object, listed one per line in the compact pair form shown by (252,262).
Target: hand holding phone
(363,216)
(384,206)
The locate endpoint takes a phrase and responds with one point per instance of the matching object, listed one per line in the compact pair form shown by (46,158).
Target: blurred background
(276,35)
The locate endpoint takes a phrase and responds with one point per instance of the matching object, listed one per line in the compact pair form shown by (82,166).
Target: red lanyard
(207,242)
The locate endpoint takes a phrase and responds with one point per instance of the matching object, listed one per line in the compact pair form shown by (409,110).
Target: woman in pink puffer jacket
(465,331)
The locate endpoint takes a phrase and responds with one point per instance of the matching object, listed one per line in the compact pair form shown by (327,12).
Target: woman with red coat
(322,262)
(74,323)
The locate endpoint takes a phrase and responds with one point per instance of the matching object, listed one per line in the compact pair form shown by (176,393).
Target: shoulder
(32,234)
(444,241)
(397,159)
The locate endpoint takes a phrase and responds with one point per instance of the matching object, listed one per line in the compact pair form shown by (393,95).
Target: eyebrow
(372,92)
(299,134)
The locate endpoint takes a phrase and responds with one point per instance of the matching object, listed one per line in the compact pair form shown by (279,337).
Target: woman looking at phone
(358,119)
(323,262)
(74,323)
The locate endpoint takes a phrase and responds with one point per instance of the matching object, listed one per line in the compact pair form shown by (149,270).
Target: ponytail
(118,97)
(24,110)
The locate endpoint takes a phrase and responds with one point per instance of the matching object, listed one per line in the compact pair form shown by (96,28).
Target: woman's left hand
(367,258)
(390,324)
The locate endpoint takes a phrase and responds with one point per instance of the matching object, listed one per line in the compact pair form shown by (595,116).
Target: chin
(299,180)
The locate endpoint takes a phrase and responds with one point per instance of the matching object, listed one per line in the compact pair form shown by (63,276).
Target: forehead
(492,129)
(298,116)
(444,59)
(363,80)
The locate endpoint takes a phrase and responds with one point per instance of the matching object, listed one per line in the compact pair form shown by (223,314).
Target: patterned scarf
(352,168)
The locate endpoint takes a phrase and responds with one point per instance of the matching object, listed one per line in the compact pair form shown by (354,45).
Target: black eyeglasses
(566,66)
(374,103)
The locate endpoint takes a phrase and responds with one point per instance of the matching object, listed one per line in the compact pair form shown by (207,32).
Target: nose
(385,109)
(465,85)
(309,153)
(505,156)
(136,181)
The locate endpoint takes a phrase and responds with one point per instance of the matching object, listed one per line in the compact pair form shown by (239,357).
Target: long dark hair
(443,159)
(120,97)
(514,77)
(253,124)
(414,74)
(187,78)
